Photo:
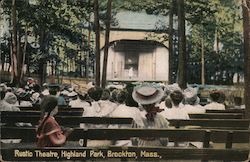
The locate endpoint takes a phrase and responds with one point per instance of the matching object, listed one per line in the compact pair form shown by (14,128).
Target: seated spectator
(11,99)
(177,110)
(54,91)
(238,103)
(126,111)
(72,96)
(79,101)
(191,101)
(49,132)
(129,100)
(36,99)
(4,106)
(216,101)
(98,108)
(148,96)
(24,99)
(45,91)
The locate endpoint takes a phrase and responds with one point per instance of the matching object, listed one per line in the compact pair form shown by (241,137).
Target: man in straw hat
(147,95)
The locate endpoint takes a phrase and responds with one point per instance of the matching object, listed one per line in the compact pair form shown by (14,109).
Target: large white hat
(147,94)
(190,95)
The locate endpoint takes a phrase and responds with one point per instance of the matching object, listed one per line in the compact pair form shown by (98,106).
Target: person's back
(11,99)
(97,109)
(215,104)
(177,110)
(4,105)
(191,101)
(148,96)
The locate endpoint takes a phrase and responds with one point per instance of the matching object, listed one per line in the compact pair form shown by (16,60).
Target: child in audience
(49,132)
(147,96)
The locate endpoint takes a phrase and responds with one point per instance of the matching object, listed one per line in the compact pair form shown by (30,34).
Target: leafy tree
(52,25)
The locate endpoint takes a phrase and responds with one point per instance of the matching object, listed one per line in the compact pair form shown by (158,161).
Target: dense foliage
(58,34)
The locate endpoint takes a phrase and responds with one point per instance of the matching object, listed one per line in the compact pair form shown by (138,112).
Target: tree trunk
(106,46)
(14,63)
(182,63)
(24,52)
(246,24)
(42,61)
(97,41)
(202,58)
(170,42)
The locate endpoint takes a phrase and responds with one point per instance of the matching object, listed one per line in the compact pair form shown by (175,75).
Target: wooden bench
(242,124)
(38,113)
(177,135)
(15,117)
(226,111)
(217,116)
(28,108)
(65,120)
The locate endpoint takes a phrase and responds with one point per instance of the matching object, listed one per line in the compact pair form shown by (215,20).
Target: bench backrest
(15,117)
(28,108)
(217,116)
(10,119)
(38,113)
(212,123)
(226,111)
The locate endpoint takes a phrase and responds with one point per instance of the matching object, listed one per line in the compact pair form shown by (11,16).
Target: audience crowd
(150,105)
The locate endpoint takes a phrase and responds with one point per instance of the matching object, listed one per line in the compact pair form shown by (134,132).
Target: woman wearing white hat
(148,96)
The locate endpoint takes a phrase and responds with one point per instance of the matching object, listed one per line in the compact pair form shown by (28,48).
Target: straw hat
(147,94)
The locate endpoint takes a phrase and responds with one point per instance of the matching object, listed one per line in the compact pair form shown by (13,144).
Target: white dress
(101,108)
(194,109)
(130,112)
(176,112)
(214,106)
(78,103)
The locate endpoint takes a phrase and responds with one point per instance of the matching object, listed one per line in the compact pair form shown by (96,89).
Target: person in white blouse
(191,101)
(177,111)
(147,95)
(125,111)
(216,103)
(77,101)
(98,108)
